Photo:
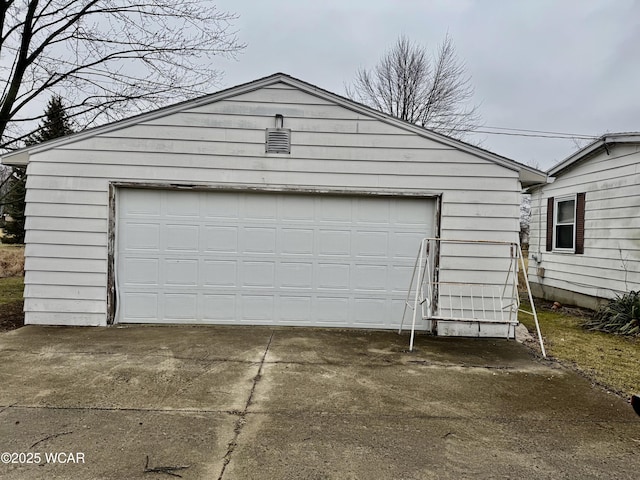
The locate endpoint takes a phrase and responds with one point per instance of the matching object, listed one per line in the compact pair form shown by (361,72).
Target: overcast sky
(570,66)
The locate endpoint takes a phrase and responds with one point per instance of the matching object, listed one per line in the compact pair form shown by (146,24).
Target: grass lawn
(11,315)
(608,360)
(11,290)
(11,260)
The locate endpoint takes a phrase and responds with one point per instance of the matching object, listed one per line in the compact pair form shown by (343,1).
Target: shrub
(621,316)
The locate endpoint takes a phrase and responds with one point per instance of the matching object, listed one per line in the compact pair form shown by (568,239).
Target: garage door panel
(181,272)
(186,205)
(331,310)
(180,306)
(258,240)
(141,271)
(399,276)
(219,308)
(296,241)
(333,276)
(258,274)
(370,278)
(300,211)
(395,311)
(335,210)
(294,309)
(296,275)
(141,307)
(222,205)
(369,213)
(262,208)
(266,258)
(409,214)
(182,238)
(370,312)
(142,203)
(257,308)
(219,273)
(142,236)
(219,239)
(404,245)
(334,242)
(371,244)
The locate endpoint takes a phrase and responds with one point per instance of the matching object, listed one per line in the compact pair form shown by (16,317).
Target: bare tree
(107,58)
(433,92)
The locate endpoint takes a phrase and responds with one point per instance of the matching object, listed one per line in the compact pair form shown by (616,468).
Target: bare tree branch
(431,92)
(108,59)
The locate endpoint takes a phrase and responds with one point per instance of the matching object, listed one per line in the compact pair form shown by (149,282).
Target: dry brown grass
(11,260)
(609,360)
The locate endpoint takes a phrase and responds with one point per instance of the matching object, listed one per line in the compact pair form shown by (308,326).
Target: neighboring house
(585,226)
(273,202)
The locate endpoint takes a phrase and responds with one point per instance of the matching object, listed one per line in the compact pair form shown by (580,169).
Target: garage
(258,258)
(273,202)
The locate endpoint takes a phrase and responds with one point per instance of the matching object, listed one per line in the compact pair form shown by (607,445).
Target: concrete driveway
(264,403)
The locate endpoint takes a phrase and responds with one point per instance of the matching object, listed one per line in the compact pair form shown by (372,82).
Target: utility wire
(573,135)
(511,134)
(527,133)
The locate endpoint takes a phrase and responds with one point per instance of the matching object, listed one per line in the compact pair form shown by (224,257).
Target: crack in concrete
(243,414)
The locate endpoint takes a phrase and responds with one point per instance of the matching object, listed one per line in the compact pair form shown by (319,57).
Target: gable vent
(278,140)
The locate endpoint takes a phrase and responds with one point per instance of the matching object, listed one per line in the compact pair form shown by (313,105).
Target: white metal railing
(470,301)
(490,300)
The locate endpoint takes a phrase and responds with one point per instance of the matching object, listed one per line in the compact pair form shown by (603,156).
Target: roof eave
(593,147)
(19,158)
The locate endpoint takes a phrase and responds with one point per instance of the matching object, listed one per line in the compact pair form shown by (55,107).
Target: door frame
(115,186)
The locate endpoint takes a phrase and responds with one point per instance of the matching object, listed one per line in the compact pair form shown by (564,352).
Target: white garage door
(266,258)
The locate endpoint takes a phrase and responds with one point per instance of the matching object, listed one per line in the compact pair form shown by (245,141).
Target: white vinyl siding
(610,264)
(222,144)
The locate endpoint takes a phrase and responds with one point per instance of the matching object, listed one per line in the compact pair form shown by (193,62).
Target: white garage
(266,258)
(270,203)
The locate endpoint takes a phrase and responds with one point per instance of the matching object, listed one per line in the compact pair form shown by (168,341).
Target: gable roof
(528,175)
(592,149)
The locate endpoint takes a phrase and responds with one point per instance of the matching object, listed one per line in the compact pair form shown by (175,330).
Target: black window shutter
(580,204)
(549,224)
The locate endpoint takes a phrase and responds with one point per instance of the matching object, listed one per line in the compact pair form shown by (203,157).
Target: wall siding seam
(580,287)
(315,132)
(146,161)
(374,176)
(294,145)
(355,118)
(286,159)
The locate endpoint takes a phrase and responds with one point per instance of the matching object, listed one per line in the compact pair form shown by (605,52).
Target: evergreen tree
(55,124)
(14,203)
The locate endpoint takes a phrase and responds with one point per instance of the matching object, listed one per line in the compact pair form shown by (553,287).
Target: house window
(565,223)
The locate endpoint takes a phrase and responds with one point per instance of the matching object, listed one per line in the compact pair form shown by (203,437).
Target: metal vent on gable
(278,139)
